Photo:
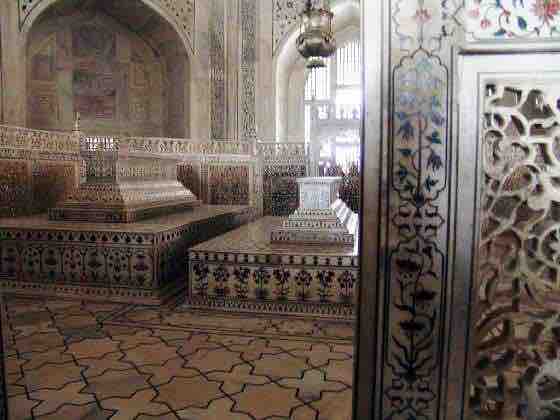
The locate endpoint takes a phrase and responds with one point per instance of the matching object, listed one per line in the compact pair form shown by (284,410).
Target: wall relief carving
(218,71)
(516,328)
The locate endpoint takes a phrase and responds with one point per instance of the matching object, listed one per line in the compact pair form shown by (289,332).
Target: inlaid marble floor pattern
(67,360)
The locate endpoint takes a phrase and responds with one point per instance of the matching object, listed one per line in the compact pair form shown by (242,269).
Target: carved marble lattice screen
(515,318)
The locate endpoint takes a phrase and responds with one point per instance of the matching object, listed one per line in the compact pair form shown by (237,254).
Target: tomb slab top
(254,238)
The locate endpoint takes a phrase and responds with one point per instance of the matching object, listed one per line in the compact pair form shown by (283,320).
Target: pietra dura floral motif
(423,33)
(139,265)
(248,15)
(241,270)
(417,260)
(269,284)
(513,19)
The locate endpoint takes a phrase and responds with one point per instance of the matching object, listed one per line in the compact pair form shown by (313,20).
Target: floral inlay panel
(242,270)
(416,305)
(512,19)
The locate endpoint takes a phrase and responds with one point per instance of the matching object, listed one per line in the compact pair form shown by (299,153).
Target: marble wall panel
(97,68)
(280,189)
(229,184)
(15,187)
(512,20)
(53,182)
(416,306)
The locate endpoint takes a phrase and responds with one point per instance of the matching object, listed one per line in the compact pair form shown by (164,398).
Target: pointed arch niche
(123,65)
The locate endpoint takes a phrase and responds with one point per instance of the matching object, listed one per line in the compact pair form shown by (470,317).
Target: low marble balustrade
(37,169)
(188,147)
(40,169)
(273,150)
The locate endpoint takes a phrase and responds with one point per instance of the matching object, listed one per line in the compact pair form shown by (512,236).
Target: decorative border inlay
(248,15)
(218,70)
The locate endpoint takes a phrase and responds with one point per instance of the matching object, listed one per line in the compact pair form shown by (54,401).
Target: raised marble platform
(142,262)
(243,271)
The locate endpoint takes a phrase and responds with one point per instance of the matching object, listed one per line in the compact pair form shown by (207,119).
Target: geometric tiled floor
(68,360)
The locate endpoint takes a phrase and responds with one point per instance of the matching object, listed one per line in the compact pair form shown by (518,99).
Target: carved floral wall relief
(516,356)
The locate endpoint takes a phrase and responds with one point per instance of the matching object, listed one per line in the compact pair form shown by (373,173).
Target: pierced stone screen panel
(516,365)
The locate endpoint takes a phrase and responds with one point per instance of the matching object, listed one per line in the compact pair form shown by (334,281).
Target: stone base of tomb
(126,203)
(336,225)
(79,212)
(242,271)
(140,263)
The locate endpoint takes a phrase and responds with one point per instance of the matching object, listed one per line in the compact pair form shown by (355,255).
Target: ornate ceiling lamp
(316,41)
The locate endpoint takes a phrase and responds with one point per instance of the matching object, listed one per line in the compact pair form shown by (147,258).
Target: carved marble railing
(339,112)
(37,169)
(272,149)
(183,146)
(18,138)
(24,143)
(165,145)
(42,168)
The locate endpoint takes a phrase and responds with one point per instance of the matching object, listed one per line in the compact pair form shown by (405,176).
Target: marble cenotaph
(321,218)
(124,185)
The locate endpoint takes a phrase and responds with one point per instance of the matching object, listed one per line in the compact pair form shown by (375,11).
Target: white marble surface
(318,192)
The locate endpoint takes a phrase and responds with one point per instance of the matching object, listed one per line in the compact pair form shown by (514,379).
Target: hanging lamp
(316,40)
